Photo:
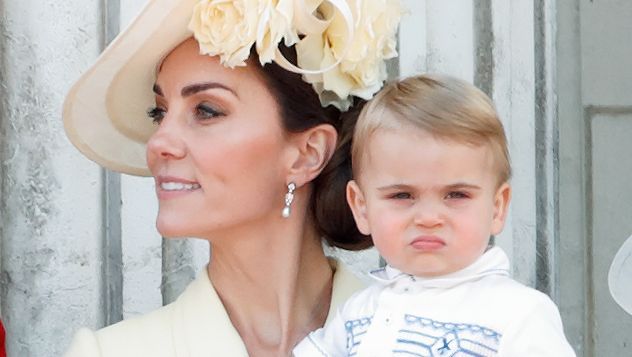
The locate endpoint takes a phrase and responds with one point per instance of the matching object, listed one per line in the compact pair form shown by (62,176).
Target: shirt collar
(492,262)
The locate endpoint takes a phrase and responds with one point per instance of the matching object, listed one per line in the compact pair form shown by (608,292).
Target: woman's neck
(275,285)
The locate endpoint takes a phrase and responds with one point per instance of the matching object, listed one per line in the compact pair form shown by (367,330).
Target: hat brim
(620,276)
(105,112)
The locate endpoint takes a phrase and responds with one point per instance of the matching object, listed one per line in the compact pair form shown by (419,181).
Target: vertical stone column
(142,247)
(112,268)
(50,199)
(575,296)
(547,150)
(513,92)
(450,39)
(412,39)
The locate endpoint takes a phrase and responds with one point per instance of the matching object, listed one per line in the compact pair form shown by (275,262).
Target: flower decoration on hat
(341,45)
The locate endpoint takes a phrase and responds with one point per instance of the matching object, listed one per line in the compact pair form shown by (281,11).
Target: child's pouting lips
(428,243)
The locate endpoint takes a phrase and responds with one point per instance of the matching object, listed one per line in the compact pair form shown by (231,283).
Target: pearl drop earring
(289,197)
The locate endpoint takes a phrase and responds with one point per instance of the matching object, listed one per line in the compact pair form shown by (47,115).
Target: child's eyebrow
(462,185)
(397,186)
(454,186)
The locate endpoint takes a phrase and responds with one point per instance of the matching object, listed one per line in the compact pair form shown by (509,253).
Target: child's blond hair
(443,106)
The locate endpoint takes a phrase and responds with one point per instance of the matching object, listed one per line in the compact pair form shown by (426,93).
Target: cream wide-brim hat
(620,276)
(105,112)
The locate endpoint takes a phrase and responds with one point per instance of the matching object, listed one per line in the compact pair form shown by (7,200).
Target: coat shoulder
(150,334)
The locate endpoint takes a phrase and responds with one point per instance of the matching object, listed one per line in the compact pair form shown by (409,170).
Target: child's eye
(204,112)
(156,114)
(401,196)
(457,195)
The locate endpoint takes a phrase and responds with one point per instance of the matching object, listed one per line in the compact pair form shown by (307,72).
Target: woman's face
(218,154)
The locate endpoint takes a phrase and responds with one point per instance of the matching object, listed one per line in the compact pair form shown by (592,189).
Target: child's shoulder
(506,305)
(511,293)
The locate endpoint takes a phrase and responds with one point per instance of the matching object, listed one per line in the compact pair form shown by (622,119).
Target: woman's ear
(315,147)
(501,206)
(357,203)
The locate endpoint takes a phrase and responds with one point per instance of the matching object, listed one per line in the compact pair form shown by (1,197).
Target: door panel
(611,223)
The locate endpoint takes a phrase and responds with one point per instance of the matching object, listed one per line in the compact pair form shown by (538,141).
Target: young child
(431,187)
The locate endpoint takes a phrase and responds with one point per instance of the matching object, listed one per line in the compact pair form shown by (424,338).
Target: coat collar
(202,325)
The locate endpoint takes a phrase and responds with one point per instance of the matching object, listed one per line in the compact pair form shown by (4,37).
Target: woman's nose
(167,141)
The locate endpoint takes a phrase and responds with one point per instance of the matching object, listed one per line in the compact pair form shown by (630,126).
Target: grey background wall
(78,245)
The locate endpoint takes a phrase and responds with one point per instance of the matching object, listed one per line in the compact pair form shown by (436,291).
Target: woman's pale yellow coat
(195,325)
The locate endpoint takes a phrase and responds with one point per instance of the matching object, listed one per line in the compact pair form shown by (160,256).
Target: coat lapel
(202,327)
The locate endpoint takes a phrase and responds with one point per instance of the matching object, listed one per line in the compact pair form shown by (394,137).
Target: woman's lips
(171,187)
(428,243)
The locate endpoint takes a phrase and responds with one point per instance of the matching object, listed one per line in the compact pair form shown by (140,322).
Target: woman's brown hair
(301,110)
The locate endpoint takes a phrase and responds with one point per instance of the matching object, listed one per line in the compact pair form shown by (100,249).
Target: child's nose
(428,214)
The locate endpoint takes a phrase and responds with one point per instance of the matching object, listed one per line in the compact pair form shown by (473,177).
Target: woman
(252,104)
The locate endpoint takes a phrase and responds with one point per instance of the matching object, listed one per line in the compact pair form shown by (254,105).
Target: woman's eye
(401,196)
(156,114)
(204,112)
(457,195)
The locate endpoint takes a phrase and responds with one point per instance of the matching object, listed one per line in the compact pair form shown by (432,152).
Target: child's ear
(357,202)
(501,206)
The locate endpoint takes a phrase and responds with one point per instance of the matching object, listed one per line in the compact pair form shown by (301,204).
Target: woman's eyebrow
(200,87)
(195,88)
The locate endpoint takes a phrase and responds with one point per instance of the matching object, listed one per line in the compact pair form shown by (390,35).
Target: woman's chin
(172,228)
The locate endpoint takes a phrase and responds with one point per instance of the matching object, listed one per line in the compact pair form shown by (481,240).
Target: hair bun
(332,214)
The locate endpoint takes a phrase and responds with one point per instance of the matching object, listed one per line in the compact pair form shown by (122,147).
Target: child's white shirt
(477,311)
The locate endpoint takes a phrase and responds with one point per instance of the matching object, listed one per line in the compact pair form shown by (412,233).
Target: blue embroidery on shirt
(430,338)
(356,329)
(378,270)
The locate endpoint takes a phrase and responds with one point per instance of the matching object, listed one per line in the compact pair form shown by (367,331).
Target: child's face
(429,204)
